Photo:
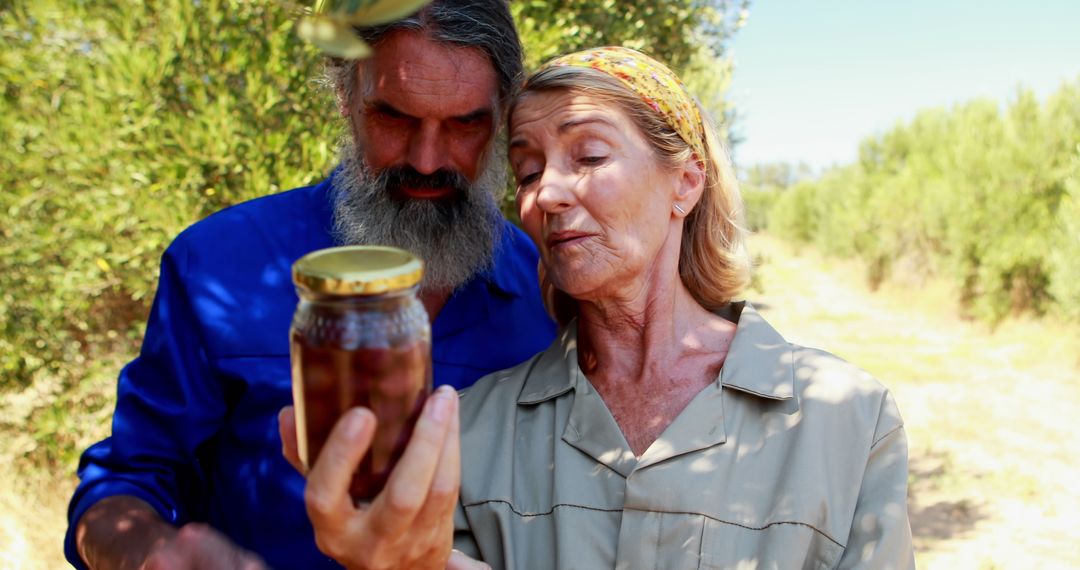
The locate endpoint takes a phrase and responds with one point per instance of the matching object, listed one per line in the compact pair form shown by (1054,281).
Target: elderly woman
(668,426)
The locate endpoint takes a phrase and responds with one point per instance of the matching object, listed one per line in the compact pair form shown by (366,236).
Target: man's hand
(125,532)
(410,523)
(198,546)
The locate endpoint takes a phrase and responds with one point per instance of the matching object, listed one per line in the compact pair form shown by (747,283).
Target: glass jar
(360,337)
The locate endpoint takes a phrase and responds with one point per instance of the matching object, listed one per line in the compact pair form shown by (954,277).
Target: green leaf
(334,37)
(383,11)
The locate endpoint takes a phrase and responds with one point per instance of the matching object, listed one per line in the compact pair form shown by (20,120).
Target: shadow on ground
(934,515)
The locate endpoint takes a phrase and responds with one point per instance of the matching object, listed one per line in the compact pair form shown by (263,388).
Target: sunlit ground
(989,414)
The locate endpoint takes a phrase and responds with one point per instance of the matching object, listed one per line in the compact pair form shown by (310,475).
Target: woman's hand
(410,523)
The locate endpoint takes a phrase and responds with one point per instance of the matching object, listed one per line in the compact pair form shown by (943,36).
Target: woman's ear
(691,185)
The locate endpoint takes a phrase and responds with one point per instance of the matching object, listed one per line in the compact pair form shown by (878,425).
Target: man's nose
(428,149)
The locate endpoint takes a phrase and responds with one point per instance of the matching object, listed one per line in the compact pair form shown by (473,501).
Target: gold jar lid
(357,270)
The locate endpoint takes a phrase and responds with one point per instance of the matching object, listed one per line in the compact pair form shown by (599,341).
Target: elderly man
(193,475)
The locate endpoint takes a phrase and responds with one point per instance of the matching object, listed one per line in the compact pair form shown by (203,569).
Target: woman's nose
(555,193)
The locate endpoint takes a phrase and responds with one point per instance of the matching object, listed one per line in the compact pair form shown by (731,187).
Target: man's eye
(390,114)
(472,121)
(468,121)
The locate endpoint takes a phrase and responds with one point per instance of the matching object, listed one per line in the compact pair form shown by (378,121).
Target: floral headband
(657,85)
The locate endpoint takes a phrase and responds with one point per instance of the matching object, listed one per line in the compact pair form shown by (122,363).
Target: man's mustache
(396,177)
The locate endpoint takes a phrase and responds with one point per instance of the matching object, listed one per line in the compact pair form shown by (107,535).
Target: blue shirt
(195,430)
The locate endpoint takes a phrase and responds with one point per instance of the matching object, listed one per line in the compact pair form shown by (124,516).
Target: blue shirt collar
(498,277)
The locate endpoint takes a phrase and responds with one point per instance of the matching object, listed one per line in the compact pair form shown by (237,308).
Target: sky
(815,77)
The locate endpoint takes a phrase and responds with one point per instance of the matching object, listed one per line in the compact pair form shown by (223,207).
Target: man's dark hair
(480,24)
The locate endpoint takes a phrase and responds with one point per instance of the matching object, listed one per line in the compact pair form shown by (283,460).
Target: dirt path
(989,414)
(33,518)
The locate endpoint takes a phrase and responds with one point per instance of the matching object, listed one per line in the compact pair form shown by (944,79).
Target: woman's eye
(590,160)
(529,179)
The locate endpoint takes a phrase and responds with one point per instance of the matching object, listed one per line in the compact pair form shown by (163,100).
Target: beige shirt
(793,458)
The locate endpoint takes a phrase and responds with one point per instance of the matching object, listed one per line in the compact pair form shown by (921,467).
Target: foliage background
(984,194)
(122,122)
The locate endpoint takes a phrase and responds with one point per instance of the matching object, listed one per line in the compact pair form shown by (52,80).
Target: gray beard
(456,239)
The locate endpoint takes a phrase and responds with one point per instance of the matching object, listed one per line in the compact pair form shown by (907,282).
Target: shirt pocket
(776,546)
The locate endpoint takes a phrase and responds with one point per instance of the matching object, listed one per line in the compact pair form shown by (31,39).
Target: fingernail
(440,407)
(356,420)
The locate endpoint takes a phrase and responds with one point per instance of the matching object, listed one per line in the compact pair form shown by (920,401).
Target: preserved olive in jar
(360,337)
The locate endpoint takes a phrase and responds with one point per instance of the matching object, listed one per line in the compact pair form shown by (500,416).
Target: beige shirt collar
(759,363)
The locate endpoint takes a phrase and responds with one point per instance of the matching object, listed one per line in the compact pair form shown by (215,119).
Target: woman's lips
(565,239)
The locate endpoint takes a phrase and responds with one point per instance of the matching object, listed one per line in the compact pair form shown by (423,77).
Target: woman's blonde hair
(713,263)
